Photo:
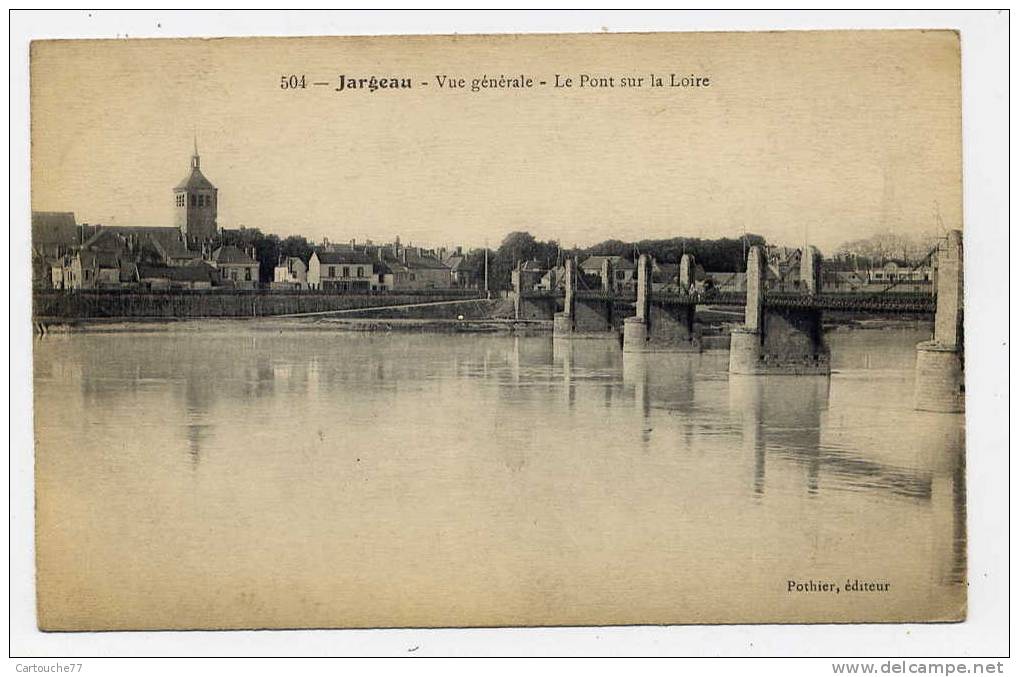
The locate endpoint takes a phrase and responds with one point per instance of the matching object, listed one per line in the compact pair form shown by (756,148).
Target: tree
(296,245)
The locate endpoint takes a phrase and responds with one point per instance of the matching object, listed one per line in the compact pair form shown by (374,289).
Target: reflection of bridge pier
(944,438)
(585,315)
(777,338)
(662,325)
(785,413)
(665,380)
(579,360)
(940,380)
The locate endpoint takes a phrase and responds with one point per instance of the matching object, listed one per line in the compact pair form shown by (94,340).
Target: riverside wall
(56,305)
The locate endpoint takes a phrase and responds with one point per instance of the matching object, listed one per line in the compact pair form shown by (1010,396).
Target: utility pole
(744,239)
(486,269)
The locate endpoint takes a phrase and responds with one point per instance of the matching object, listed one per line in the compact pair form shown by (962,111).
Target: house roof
(594,263)
(666,272)
(195,181)
(418,261)
(100,259)
(229,254)
(395,265)
(167,240)
(455,262)
(342,256)
(54,228)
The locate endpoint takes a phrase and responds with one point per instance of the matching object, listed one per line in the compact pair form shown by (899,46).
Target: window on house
(360,271)
(346,271)
(332,271)
(247,274)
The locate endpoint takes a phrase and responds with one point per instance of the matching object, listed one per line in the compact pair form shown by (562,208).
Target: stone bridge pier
(662,325)
(940,377)
(583,316)
(779,340)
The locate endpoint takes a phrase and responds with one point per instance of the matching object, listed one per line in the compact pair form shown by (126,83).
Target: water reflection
(326,467)
(784,414)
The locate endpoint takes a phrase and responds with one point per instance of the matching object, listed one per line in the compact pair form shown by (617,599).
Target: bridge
(899,303)
(781,332)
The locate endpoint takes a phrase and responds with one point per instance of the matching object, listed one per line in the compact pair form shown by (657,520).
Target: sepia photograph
(498,330)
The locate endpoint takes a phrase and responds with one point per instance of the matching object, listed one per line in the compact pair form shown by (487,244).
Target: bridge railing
(880,302)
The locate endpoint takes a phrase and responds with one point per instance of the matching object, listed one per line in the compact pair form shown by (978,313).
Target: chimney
(353,243)
(459,250)
(403,255)
(380,249)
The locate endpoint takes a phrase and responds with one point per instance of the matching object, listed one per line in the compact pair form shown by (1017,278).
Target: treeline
(719,255)
(878,249)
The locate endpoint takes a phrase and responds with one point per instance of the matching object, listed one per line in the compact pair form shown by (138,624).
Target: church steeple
(196,203)
(196,161)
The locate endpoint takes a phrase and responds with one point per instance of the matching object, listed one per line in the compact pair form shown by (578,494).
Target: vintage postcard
(498,330)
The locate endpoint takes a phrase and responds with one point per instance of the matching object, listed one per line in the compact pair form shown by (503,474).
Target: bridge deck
(889,302)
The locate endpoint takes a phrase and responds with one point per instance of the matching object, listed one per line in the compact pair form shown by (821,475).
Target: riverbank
(290,324)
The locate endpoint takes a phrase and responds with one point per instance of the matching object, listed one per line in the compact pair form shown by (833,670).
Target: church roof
(195,181)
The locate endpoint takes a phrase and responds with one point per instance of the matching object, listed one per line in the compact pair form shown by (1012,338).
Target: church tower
(195,204)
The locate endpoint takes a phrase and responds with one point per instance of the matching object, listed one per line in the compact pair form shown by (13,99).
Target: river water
(202,477)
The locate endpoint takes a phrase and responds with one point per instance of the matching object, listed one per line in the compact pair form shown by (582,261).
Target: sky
(801,136)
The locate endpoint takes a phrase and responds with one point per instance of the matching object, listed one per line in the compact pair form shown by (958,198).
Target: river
(246,479)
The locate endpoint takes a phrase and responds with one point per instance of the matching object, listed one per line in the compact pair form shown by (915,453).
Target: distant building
(341,271)
(723,282)
(665,277)
(900,276)
(527,276)
(552,280)
(291,273)
(87,270)
(158,278)
(53,233)
(623,271)
(237,268)
(384,275)
(403,267)
(195,203)
(462,273)
(426,271)
(165,243)
(902,273)
(844,280)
